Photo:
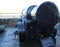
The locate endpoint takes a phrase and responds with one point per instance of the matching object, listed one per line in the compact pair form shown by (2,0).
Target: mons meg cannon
(39,22)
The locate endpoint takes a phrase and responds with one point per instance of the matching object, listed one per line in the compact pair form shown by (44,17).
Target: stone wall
(9,22)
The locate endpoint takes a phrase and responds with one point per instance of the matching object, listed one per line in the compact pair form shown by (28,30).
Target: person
(47,16)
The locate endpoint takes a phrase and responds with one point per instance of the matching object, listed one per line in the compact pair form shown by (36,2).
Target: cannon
(39,23)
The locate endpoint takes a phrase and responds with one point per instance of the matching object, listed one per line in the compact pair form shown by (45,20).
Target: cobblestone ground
(8,39)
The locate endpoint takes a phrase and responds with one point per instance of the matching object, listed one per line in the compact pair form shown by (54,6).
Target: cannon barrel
(47,12)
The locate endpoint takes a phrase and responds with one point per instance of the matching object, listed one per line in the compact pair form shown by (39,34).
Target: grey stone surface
(58,35)
(8,39)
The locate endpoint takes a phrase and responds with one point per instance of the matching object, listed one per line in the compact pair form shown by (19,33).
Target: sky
(16,6)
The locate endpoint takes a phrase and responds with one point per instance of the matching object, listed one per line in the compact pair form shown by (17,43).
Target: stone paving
(8,39)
